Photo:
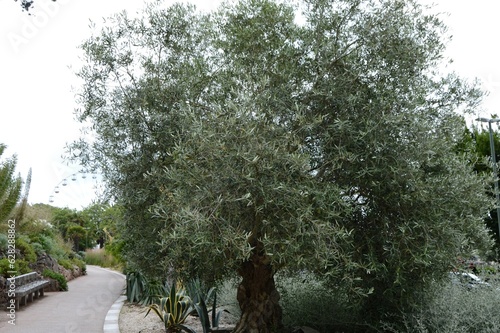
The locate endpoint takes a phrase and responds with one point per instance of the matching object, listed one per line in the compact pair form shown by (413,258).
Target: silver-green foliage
(455,309)
(321,142)
(307,301)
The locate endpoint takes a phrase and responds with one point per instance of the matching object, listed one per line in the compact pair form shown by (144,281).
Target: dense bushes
(455,309)
(35,239)
(306,301)
(445,308)
(27,251)
(61,280)
(20,267)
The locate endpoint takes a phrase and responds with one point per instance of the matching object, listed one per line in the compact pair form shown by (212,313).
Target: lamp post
(494,161)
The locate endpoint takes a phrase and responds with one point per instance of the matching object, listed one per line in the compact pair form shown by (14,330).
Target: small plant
(154,290)
(202,310)
(136,285)
(61,280)
(20,266)
(200,300)
(173,310)
(66,263)
(27,251)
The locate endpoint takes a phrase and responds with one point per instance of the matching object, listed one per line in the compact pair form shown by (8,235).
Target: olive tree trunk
(258,298)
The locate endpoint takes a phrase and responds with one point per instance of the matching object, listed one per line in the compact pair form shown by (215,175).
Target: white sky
(36,82)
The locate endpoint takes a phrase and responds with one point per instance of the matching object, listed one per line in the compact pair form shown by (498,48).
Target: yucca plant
(173,310)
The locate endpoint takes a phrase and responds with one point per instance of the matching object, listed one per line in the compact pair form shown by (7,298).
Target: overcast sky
(36,80)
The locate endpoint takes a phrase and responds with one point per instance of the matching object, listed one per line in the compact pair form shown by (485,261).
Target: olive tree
(269,137)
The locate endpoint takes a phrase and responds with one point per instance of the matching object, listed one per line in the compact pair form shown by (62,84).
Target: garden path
(82,309)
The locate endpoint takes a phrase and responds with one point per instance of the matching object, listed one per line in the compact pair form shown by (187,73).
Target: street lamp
(494,161)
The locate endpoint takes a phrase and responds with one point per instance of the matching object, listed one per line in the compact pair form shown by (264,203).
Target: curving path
(82,309)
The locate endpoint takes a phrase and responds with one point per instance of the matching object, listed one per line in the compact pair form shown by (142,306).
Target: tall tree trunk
(258,298)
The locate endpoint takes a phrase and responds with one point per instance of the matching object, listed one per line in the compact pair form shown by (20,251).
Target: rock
(46,261)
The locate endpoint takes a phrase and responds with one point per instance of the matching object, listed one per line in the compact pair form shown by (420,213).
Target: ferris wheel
(77,190)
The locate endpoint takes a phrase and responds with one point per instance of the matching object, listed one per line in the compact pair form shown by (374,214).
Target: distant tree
(76,233)
(11,189)
(254,141)
(71,224)
(480,138)
(103,220)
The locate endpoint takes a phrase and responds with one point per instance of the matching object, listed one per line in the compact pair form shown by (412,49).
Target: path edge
(111,321)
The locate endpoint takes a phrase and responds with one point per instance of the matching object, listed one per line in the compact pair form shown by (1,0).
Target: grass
(100,257)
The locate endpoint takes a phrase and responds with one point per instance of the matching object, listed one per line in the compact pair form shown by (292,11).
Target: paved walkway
(82,309)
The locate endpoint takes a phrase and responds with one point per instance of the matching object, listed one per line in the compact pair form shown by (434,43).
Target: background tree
(73,226)
(480,141)
(76,233)
(11,189)
(254,141)
(103,222)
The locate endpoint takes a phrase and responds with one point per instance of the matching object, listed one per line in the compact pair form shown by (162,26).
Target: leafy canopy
(321,141)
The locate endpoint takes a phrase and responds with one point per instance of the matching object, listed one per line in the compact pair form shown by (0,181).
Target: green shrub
(38,248)
(48,243)
(61,280)
(307,302)
(3,243)
(27,251)
(5,267)
(454,309)
(35,227)
(20,267)
(80,264)
(66,263)
(115,248)
(23,266)
(81,255)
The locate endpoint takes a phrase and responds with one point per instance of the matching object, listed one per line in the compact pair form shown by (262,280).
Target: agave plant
(173,310)
(136,284)
(200,301)
(154,290)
